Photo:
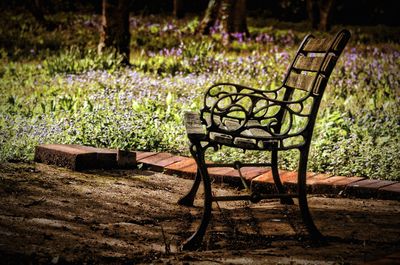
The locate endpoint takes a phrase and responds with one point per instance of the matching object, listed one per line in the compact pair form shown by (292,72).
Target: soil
(51,215)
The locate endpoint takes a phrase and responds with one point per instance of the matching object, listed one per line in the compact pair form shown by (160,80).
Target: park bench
(266,120)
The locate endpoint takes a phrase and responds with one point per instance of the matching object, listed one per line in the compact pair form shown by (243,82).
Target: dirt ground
(50,215)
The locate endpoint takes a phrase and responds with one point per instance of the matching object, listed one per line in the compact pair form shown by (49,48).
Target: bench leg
(277,180)
(194,242)
(188,199)
(313,231)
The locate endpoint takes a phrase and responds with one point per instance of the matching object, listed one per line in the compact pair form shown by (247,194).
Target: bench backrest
(286,114)
(309,73)
(314,62)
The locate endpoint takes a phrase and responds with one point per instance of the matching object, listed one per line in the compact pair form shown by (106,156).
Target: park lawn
(55,88)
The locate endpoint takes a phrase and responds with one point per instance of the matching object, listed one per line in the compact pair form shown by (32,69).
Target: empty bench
(275,121)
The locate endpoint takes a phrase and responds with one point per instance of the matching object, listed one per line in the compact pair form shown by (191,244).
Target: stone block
(78,157)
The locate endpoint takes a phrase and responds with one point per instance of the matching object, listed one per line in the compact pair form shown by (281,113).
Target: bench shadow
(354,231)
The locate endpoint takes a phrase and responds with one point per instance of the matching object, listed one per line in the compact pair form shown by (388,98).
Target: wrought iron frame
(253,119)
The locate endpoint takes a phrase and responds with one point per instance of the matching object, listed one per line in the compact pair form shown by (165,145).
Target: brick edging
(261,178)
(77,157)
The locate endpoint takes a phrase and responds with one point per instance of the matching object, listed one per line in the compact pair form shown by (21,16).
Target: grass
(56,89)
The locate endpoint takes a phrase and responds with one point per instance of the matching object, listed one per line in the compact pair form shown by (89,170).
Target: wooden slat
(323,45)
(245,143)
(230,124)
(318,45)
(221,138)
(300,81)
(256,132)
(233,125)
(193,124)
(306,63)
(259,133)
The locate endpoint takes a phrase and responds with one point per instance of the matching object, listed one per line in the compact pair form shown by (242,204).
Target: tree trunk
(231,13)
(233,17)
(114,31)
(319,12)
(227,16)
(325,9)
(239,17)
(313,13)
(179,11)
(210,17)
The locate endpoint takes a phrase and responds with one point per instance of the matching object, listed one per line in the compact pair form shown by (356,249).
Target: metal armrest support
(238,113)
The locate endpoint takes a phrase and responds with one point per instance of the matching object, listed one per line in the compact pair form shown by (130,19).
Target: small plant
(76,61)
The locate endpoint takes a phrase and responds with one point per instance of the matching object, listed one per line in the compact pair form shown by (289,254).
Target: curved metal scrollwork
(239,111)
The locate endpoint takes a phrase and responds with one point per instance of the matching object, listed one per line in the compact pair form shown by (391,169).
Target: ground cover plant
(55,88)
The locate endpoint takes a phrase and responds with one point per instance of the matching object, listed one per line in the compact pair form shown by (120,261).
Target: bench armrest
(228,107)
(194,127)
(235,109)
(219,89)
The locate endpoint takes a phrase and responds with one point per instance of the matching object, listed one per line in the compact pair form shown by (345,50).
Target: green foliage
(146,125)
(23,38)
(56,89)
(76,61)
(190,57)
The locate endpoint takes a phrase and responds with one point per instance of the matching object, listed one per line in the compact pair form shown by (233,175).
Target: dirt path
(52,215)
